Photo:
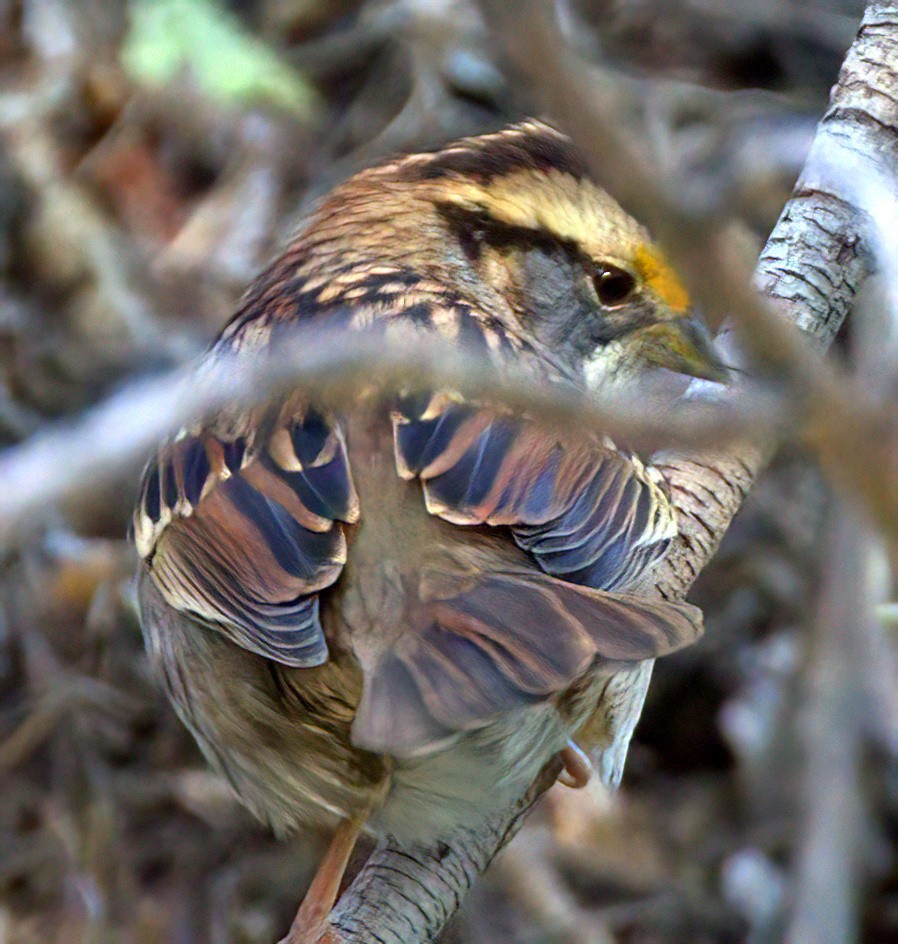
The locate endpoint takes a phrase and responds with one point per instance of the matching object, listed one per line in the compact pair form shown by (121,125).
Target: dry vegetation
(141,187)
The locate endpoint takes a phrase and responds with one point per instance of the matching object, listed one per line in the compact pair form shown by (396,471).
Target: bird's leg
(308,925)
(577,767)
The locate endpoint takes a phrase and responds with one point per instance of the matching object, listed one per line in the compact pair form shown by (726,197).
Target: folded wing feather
(245,535)
(591,517)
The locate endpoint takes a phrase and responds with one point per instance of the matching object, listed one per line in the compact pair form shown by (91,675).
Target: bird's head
(522,225)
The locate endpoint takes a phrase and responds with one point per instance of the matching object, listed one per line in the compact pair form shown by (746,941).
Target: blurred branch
(74,460)
(835,830)
(851,686)
(812,273)
(70,242)
(812,266)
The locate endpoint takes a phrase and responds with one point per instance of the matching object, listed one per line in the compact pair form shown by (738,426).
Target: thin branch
(823,234)
(72,460)
(850,682)
(835,832)
(851,434)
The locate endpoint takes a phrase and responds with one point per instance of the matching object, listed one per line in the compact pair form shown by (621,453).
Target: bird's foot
(577,770)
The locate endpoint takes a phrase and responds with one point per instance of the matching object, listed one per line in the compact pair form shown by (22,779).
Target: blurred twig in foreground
(112,438)
(812,267)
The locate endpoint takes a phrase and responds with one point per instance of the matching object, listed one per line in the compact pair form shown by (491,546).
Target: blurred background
(153,155)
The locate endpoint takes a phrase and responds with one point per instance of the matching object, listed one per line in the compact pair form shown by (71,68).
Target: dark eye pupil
(614,286)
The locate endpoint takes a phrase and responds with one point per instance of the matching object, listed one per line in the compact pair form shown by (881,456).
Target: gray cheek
(549,286)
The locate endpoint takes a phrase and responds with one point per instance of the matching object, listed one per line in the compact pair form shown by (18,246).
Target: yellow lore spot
(657,274)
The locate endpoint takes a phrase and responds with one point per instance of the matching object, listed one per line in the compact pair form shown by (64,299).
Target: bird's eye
(614,286)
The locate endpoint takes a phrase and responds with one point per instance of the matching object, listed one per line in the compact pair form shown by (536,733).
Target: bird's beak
(683,344)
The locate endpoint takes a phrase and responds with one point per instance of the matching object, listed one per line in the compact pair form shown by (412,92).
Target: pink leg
(577,768)
(308,925)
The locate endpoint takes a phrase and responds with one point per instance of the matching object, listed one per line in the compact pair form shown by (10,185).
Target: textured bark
(424,889)
(812,267)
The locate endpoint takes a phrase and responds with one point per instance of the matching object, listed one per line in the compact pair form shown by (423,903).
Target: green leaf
(229,64)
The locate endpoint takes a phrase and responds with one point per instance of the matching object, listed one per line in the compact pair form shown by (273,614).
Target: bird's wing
(502,642)
(585,510)
(590,516)
(242,531)
(240,521)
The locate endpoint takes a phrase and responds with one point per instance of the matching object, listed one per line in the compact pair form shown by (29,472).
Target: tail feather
(506,641)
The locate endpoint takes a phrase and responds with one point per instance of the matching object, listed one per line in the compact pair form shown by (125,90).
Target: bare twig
(834,834)
(851,434)
(812,267)
(76,459)
(850,678)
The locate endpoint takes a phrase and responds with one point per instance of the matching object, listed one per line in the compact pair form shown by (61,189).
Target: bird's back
(351,602)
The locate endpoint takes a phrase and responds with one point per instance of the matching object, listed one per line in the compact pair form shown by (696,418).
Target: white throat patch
(609,368)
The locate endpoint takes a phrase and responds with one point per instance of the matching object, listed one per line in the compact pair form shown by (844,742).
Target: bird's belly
(281,739)
(483,772)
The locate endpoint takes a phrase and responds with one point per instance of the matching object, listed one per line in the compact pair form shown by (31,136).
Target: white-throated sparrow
(397,615)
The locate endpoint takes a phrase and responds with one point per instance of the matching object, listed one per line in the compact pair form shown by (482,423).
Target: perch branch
(812,268)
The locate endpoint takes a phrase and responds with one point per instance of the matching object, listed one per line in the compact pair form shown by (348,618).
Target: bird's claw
(577,770)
